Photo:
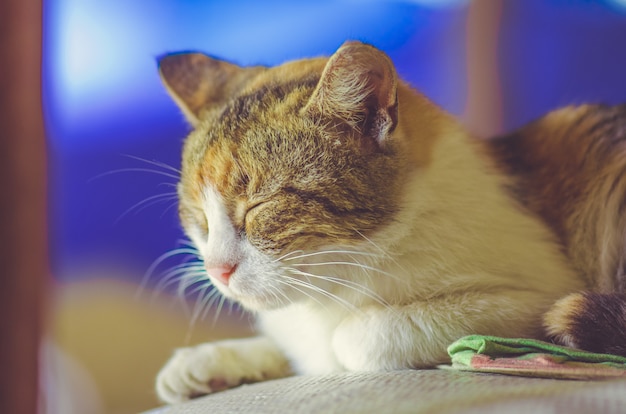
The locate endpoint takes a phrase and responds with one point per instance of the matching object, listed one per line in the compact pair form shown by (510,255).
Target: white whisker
(275,290)
(187,280)
(355,264)
(202,285)
(371,242)
(335,298)
(287,255)
(204,303)
(199,302)
(288,281)
(352,252)
(168,208)
(180,276)
(147,202)
(363,290)
(124,170)
(190,251)
(380,249)
(220,305)
(155,163)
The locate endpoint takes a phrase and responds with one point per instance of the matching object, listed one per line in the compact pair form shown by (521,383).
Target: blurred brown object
(483,110)
(23,245)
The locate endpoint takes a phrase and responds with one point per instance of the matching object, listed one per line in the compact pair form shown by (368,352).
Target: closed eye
(253,206)
(250,209)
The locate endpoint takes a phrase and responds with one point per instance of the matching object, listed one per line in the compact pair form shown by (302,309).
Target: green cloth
(531,357)
(462,350)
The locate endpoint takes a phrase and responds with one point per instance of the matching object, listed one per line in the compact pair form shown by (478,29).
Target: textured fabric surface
(413,391)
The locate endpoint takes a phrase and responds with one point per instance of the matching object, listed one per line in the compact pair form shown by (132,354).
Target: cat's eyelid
(254,204)
(244,208)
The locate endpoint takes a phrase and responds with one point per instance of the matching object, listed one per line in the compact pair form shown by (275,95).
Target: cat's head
(286,164)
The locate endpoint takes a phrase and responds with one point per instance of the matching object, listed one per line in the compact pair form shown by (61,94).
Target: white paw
(216,366)
(200,370)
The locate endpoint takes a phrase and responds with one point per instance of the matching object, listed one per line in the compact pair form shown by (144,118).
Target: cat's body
(368,230)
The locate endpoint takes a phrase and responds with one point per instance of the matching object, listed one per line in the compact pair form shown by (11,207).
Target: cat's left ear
(197,82)
(359,87)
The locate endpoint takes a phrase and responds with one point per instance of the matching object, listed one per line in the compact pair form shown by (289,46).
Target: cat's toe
(179,380)
(195,371)
(560,321)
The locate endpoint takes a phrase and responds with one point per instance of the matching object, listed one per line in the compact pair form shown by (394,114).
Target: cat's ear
(359,86)
(197,81)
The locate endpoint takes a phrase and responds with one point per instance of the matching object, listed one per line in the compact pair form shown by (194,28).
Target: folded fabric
(529,357)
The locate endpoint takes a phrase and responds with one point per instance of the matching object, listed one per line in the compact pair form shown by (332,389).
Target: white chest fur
(304,333)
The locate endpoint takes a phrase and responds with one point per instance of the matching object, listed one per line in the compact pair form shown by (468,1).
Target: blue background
(104,104)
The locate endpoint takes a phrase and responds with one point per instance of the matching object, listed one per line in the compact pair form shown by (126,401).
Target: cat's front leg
(216,366)
(417,335)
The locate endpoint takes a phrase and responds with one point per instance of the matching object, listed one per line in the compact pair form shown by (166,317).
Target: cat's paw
(216,366)
(589,321)
(198,370)
(560,321)
(204,369)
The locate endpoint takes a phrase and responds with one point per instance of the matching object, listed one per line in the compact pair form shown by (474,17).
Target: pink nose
(221,272)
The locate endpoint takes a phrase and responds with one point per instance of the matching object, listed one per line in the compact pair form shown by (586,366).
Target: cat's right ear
(197,82)
(359,86)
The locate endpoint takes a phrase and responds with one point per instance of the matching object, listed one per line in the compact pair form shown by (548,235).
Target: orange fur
(557,169)
(420,233)
(570,169)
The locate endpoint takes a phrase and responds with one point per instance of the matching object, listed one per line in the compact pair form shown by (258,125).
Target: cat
(367,230)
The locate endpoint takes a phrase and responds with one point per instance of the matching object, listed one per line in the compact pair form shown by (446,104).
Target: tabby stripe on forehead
(239,109)
(242,106)
(288,237)
(326,202)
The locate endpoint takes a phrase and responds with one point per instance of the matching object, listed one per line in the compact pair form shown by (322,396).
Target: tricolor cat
(367,230)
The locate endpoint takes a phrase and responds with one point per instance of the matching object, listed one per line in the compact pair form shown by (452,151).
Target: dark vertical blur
(22,204)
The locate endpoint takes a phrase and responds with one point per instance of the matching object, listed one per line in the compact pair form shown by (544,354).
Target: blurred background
(114,139)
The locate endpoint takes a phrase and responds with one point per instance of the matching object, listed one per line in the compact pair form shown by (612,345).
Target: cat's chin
(253,304)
